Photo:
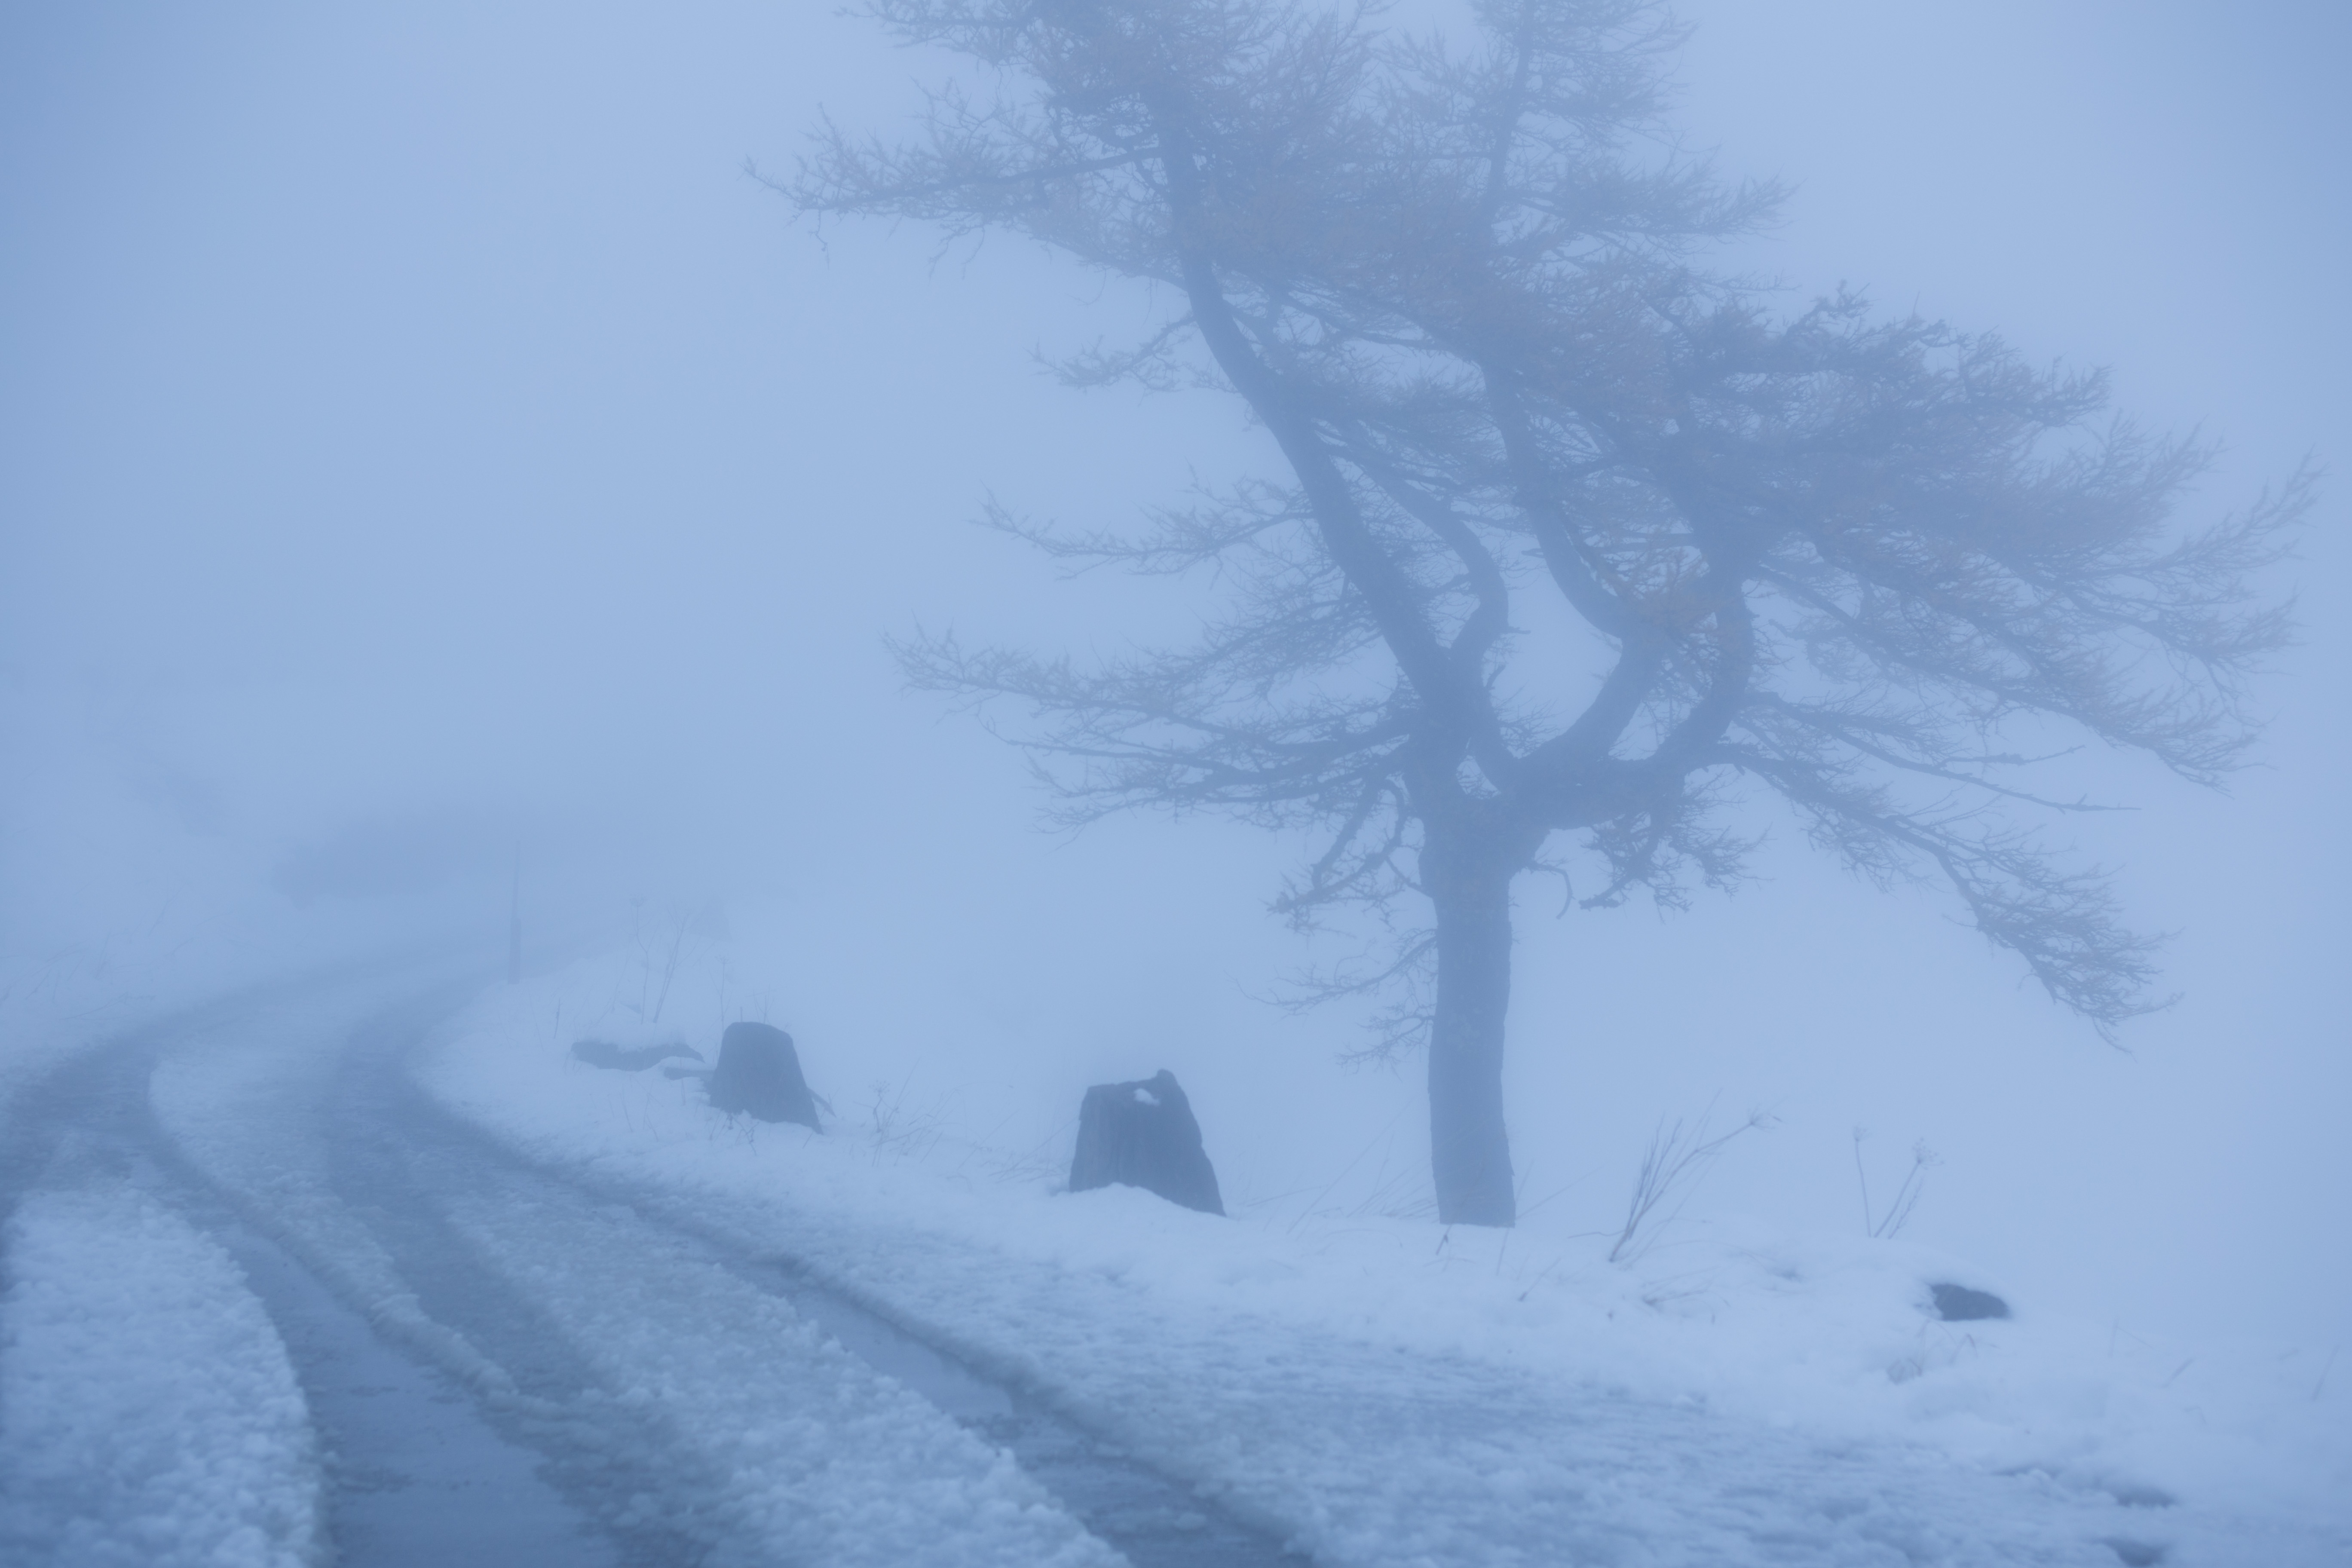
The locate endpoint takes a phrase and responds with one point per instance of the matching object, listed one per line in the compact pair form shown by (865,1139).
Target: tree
(1576,536)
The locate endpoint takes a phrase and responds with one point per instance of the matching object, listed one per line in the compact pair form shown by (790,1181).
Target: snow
(1383,1393)
(1376,1391)
(808,1454)
(241,1106)
(771,1442)
(149,1417)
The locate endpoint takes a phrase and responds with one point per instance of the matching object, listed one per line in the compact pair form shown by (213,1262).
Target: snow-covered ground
(149,1417)
(796,1450)
(1383,1392)
(1327,1365)
(758,1440)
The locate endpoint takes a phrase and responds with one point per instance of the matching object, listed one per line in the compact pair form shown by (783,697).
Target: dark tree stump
(1143,1135)
(605,1053)
(1960,1304)
(759,1074)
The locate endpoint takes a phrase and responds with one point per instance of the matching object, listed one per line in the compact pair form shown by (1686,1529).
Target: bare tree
(1868,564)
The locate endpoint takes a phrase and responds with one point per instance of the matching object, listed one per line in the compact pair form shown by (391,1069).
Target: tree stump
(1143,1135)
(759,1074)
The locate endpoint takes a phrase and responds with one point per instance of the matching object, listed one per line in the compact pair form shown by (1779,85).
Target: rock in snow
(759,1073)
(1143,1135)
(1958,1304)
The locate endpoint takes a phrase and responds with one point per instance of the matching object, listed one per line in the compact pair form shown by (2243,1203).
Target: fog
(422,437)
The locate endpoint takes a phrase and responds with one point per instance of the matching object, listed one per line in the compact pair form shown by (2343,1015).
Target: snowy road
(309,1277)
(495,1366)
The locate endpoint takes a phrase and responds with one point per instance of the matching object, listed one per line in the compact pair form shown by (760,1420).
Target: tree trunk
(1469,1147)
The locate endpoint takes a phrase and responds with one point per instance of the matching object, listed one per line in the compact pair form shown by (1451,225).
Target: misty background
(420,434)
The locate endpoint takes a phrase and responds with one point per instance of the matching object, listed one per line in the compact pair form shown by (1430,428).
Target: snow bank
(1387,1393)
(149,1417)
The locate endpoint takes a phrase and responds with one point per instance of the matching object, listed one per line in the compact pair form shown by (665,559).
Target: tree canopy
(1578,540)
